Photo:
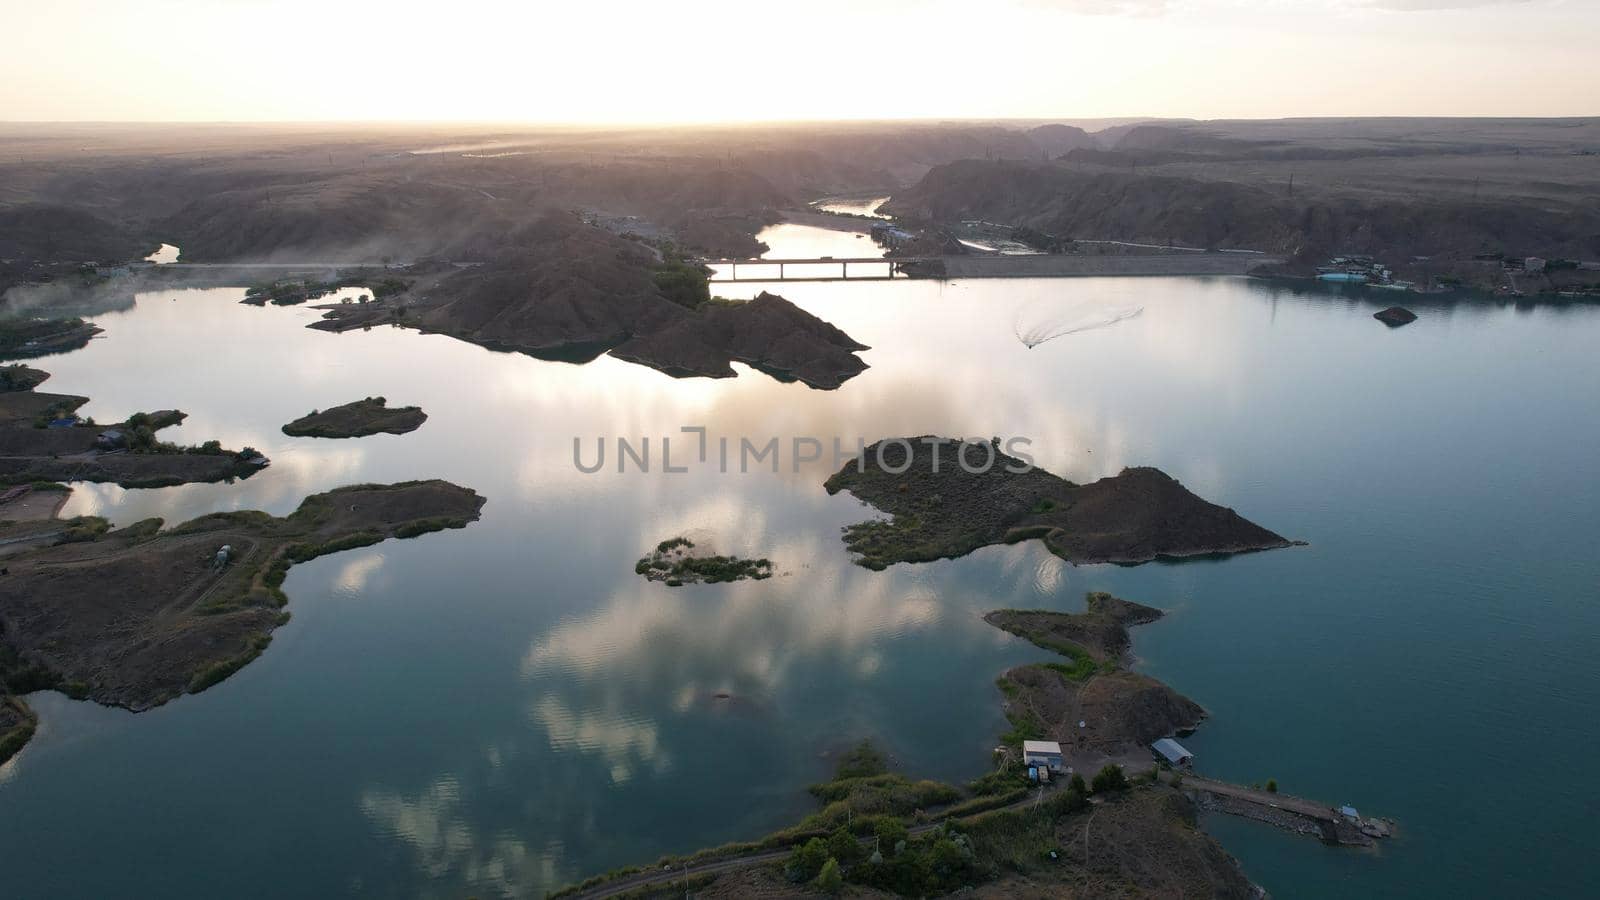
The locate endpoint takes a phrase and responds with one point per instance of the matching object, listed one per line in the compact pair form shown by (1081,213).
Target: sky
(605,61)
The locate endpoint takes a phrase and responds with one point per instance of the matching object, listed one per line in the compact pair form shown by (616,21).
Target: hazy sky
(724,60)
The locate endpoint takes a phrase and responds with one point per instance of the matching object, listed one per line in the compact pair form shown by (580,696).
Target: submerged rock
(1395,316)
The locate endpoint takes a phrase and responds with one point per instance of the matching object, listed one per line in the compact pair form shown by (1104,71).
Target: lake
(507,708)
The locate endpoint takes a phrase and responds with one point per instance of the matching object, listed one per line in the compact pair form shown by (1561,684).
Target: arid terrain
(1396,186)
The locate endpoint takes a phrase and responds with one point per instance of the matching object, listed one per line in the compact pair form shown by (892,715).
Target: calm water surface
(855,206)
(506,708)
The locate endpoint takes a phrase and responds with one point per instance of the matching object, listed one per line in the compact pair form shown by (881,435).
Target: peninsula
(43,439)
(1098,711)
(561,289)
(140,615)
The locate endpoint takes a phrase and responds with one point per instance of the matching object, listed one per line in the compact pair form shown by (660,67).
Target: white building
(1044,754)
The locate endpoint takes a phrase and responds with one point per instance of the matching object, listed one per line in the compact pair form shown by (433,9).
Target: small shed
(1043,754)
(1173,752)
(111,439)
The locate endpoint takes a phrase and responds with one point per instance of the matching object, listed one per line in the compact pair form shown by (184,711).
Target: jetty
(1343,826)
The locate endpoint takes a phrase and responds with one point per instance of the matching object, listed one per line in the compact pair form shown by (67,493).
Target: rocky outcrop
(768,333)
(1395,316)
(358,419)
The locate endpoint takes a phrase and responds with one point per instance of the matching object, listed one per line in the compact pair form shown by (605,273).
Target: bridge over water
(766,269)
(1039,265)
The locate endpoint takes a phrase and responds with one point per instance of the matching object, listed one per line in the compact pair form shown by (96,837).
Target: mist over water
(506,708)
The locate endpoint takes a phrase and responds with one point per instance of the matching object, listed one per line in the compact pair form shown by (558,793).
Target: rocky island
(1395,316)
(357,419)
(43,439)
(678,562)
(137,616)
(941,510)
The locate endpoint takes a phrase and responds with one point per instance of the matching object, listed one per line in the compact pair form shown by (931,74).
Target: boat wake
(1035,329)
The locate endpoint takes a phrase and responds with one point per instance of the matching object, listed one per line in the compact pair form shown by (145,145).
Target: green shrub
(683,283)
(1110,780)
(806,861)
(829,880)
(842,845)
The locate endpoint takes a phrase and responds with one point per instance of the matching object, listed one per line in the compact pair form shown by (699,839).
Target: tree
(1110,780)
(806,860)
(842,845)
(950,857)
(683,283)
(1272,785)
(890,833)
(829,879)
(1077,784)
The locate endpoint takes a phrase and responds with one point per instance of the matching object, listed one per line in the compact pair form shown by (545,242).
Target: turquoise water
(506,708)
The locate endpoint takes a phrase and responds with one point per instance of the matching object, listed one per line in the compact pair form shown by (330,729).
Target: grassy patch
(12,741)
(213,674)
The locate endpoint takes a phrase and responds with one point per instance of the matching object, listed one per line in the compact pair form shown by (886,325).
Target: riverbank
(883,835)
(1069,265)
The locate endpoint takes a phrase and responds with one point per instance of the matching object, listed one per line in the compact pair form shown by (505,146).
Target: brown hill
(50,232)
(561,287)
